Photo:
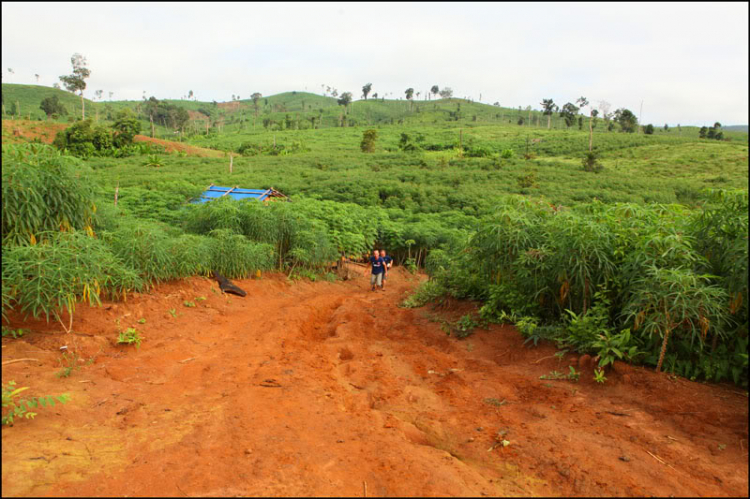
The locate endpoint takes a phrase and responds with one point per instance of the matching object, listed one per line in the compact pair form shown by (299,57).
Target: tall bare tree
(256,98)
(76,82)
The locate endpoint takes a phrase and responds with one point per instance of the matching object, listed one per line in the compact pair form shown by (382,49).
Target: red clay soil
(329,389)
(15,131)
(179,146)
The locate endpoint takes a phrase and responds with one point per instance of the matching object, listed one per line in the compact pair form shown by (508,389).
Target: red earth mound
(171,146)
(16,131)
(329,389)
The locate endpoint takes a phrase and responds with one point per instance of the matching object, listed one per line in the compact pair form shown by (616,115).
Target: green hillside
(29,97)
(304,110)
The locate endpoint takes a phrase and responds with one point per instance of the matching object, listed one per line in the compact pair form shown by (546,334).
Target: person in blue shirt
(388,264)
(378,270)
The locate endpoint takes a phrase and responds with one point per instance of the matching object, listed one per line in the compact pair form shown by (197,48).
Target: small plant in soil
(154,161)
(188,304)
(173,312)
(21,408)
(129,337)
(599,376)
(465,326)
(573,375)
(69,363)
(14,333)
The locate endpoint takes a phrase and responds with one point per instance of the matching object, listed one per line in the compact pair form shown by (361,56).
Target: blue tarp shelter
(215,192)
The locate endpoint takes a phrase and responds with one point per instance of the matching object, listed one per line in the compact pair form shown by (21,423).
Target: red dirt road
(328,389)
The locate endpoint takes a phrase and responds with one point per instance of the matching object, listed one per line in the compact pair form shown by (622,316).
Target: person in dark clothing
(378,270)
(388,264)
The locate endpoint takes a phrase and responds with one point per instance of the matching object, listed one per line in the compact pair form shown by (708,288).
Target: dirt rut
(329,389)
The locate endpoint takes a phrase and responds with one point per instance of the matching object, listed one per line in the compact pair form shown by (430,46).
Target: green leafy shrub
(427,292)
(369,137)
(615,347)
(591,162)
(130,337)
(83,139)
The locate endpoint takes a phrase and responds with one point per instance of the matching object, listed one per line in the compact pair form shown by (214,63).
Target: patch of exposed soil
(197,115)
(15,131)
(171,146)
(230,106)
(329,389)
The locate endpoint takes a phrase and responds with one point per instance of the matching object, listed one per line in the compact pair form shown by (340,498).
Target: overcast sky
(687,62)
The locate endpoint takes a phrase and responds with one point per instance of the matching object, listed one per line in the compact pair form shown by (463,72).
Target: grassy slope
(660,169)
(665,167)
(29,97)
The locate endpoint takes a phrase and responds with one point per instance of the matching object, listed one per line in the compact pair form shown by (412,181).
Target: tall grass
(43,191)
(669,275)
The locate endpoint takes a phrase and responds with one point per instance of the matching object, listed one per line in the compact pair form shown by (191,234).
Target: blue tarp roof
(215,191)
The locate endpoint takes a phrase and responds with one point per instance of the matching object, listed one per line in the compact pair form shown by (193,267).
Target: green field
(496,211)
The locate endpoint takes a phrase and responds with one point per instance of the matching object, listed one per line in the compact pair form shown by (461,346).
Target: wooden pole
(117,191)
(231,161)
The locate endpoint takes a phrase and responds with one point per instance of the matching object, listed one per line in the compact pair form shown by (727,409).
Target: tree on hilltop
(52,105)
(345,100)
(446,93)
(366,90)
(409,95)
(548,109)
(568,113)
(626,119)
(76,82)
(583,102)
(435,90)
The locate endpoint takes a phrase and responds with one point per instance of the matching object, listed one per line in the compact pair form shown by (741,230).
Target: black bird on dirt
(227,286)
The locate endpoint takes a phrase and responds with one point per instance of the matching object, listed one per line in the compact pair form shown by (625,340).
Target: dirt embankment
(171,146)
(15,131)
(330,389)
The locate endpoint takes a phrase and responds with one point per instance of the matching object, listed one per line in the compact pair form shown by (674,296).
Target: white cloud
(686,61)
